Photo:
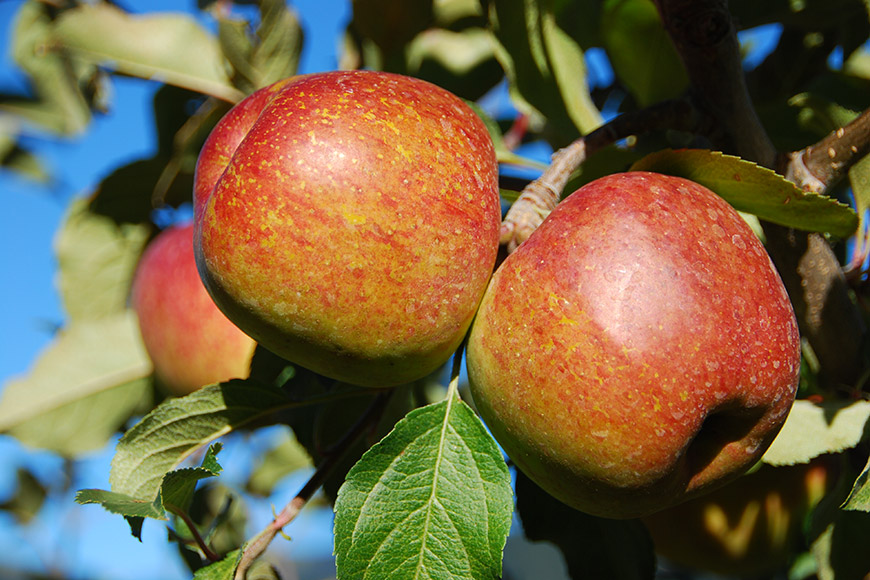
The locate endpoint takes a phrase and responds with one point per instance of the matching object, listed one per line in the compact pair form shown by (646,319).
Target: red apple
(751,527)
(190,342)
(638,349)
(348,221)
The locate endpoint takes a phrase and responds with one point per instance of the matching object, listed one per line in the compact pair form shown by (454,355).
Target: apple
(190,342)
(751,527)
(348,221)
(638,349)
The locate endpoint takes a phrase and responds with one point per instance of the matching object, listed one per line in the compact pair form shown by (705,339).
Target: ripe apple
(190,342)
(638,349)
(750,527)
(353,227)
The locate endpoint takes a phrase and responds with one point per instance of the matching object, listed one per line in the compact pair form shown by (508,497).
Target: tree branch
(540,196)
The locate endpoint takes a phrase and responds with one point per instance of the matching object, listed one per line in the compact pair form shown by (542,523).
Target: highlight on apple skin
(638,349)
(190,342)
(348,221)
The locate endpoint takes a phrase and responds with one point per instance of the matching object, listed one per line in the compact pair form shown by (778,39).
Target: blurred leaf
(754,189)
(839,550)
(271,54)
(171,47)
(276,55)
(432,499)
(28,498)
(283,459)
(21,161)
(815,429)
(859,497)
(463,62)
(641,52)
(84,386)
(59,104)
(96,261)
(544,67)
(223,570)
(502,153)
(391,24)
(821,115)
(593,547)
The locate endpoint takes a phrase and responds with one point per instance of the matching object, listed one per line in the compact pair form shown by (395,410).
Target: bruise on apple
(639,348)
(349,222)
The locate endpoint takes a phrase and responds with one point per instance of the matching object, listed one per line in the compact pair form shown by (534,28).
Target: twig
(258,544)
(540,196)
(820,166)
(210,555)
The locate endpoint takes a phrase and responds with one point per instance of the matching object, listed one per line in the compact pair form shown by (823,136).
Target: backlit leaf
(431,500)
(754,189)
(96,261)
(83,387)
(815,429)
(641,52)
(169,47)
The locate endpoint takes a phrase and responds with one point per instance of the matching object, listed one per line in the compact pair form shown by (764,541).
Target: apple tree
(670,93)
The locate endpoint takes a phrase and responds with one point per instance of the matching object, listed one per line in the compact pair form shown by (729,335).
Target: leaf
(859,497)
(815,429)
(276,55)
(84,386)
(641,52)
(287,456)
(839,550)
(175,494)
(170,47)
(593,547)
(223,570)
(540,62)
(754,189)
(96,261)
(59,106)
(177,427)
(821,115)
(431,500)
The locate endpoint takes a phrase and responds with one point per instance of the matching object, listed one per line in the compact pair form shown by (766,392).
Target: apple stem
(209,554)
(258,544)
(542,195)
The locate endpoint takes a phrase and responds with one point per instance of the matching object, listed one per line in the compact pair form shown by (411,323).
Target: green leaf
(820,115)
(175,494)
(84,386)
(431,500)
(171,47)
(840,550)
(122,504)
(592,547)
(96,261)
(641,52)
(223,570)
(177,427)
(754,189)
(276,54)
(60,105)
(815,429)
(540,61)
(859,497)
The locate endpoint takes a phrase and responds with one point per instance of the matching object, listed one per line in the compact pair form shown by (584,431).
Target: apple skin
(750,527)
(354,227)
(638,349)
(190,342)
